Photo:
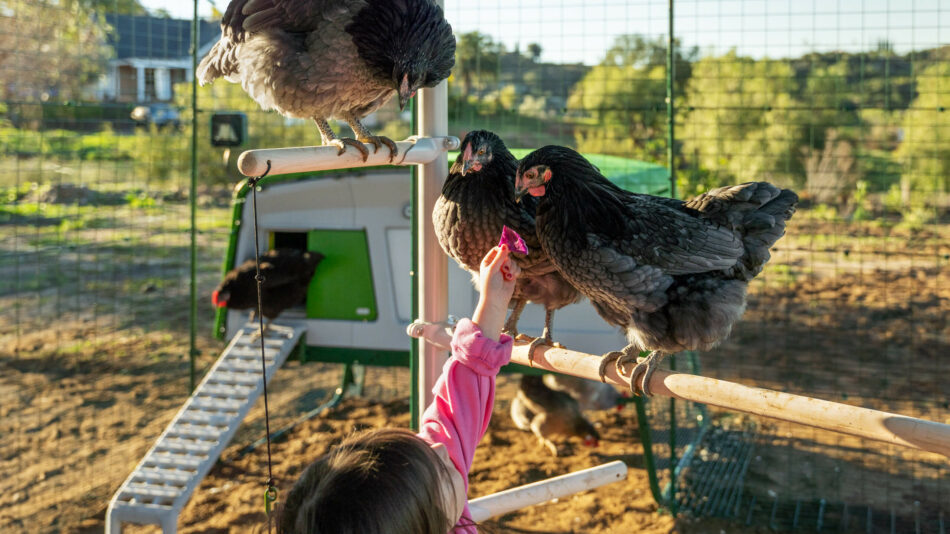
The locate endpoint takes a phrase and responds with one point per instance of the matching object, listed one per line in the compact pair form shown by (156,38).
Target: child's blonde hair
(381,481)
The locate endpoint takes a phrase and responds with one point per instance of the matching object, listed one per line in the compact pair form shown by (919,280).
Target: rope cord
(270,494)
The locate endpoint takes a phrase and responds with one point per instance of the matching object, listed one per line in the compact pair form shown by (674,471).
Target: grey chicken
(550,414)
(673,274)
(287,274)
(477,201)
(320,59)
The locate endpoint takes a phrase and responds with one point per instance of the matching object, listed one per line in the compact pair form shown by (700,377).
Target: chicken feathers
(476,203)
(286,276)
(673,274)
(321,59)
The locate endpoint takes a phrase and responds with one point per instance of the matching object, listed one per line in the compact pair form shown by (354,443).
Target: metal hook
(252,181)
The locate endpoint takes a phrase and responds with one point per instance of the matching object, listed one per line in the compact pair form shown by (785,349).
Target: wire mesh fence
(844,102)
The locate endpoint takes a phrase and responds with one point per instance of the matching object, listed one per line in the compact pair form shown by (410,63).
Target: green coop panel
(343,285)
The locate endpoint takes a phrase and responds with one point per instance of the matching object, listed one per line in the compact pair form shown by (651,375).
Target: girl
(394,481)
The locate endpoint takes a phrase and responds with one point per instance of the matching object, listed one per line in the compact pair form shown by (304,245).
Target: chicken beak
(405,95)
(467,166)
(520,193)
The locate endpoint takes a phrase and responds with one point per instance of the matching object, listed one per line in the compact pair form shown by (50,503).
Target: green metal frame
(666,496)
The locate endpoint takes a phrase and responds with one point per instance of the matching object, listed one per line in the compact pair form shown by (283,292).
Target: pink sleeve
(464,394)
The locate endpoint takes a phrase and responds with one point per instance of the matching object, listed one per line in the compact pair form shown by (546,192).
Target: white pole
(433,275)
(545,490)
(416,150)
(853,420)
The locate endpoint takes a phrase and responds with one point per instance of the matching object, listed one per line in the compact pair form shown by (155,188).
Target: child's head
(386,480)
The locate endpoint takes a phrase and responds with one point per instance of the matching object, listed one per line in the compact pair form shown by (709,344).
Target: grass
(116,266)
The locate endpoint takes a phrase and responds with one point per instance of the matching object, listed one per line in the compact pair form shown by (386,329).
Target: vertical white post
(433,268)
(163,84)
(139,84)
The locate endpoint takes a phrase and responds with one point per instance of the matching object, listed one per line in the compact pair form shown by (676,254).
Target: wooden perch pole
(853,420)
(861,422)
(545,490)
(413,151)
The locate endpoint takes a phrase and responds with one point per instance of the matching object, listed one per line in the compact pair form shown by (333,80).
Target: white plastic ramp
(164,480)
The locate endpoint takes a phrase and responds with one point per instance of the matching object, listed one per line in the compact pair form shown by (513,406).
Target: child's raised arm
(496,283)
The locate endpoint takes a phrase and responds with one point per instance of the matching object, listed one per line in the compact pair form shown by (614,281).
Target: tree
(622,100)
(477,56)
(924,151)
(118,7)
(534,52)
(743,122)
(57,50)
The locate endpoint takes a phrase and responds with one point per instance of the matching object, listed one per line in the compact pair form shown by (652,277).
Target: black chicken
(317,59)
(477,201)
(673,274)
(550,415)
(286,273)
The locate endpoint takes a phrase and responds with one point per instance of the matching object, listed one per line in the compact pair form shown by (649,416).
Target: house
(151,55)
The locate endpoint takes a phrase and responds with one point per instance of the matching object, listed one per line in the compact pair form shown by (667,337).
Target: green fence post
(193,267)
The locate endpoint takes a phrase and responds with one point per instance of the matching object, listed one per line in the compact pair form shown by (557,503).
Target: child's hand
(496,283)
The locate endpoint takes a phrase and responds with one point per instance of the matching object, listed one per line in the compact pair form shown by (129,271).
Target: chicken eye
(530,174)
(481,151)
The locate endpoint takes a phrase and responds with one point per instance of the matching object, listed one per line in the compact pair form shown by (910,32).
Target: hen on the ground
(589,394)
(477,201)
(321,59)
(286,275)
(553,416)
(673,274)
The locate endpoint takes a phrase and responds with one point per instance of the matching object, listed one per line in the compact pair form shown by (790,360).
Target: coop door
(343,285)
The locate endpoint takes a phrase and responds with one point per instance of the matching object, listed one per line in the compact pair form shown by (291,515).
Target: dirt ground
(857,327)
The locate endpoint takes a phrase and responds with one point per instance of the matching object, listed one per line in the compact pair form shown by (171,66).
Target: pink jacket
(463,398)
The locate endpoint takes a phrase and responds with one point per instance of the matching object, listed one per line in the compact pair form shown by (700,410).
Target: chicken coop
(123,208)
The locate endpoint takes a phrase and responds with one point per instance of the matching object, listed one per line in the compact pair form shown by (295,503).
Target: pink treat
(513,240)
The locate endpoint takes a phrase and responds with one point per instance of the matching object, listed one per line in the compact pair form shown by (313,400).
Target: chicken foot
(511,325)
(365,136)
(330,138)
(545,338)
(645,366)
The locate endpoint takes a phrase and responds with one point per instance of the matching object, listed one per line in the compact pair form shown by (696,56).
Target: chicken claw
(379,140)
(646,366)
(533,346)
(343,142)
(545,339)
(606,360)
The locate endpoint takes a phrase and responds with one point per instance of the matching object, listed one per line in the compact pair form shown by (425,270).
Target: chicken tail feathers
(762,228)
(758,211)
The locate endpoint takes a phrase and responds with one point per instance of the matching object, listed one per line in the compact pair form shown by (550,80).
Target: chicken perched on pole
(476,204)
(321,59)
(673,274)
